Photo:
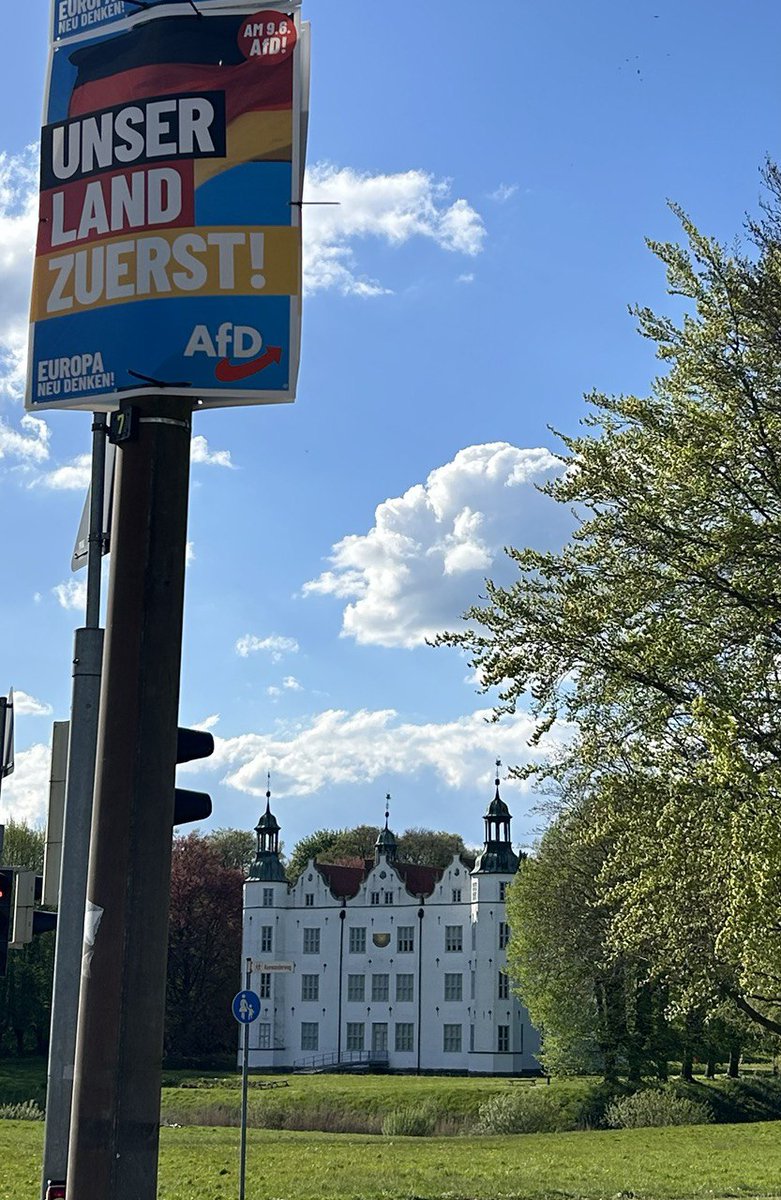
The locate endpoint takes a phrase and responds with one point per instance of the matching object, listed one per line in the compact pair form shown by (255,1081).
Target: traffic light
(192,744)
(6,896)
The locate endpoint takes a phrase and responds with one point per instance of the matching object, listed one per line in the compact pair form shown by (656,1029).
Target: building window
(264,1035)
(472,1038)
(264,985)
(451,1039)
(503,1038)
(380,988)
(405,988)
(456,895)
(310,987)
(504,934)
(502,892)
(405,939)
(358,940)
(405,1036)
(374,898)
(355,1035)
(356,987)
(471,985)
(309,900)
(310,1035)
(266,939)
(311,941)
(268,897)
(388,897)
(474,891)
(454,987)
(380,1037)
(504,986)
(454,937)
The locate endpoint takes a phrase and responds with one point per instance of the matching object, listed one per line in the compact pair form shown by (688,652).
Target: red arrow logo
(228,372)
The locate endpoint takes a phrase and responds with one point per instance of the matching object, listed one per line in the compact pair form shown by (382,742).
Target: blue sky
(497,175)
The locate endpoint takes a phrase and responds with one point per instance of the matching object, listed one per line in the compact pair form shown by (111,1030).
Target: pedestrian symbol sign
(246,1007)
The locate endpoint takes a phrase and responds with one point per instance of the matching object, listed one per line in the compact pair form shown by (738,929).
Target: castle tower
(386,842)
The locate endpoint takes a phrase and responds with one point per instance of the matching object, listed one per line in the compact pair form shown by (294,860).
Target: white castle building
(392,963)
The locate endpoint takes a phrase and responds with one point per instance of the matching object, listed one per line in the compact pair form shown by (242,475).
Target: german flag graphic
(170,56)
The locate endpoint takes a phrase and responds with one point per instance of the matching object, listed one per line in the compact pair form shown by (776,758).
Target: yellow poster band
(171,263)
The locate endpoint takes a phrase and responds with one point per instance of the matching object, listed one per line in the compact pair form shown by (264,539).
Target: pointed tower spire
(497,855)
(267,864)
(386,842)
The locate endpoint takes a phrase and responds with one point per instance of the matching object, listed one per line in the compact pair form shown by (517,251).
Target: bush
(28,1110)
(528,1110)
(408,1122)
(655,1106)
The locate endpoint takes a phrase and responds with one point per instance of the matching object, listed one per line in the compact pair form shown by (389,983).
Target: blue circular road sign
(246,1007)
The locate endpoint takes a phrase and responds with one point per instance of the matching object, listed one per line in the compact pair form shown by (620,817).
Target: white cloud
(289,684)
(72,594)
(31,445)
(28,706)
(189,553)
(421,565)
(503,192)
(467,277)
(74,476)
(208,723)
(25,795)
(18,225)
(274,645)
(200,454)
(393,208)
(340,748)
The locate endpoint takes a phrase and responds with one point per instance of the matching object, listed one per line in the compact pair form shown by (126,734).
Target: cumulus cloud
(274,645)
(18,224)
(30,443)
(421,564)
(28,706)
(25,795)
(392,208)
(289,684)
(72,594)
(200,454)
(340,748)
(74,476)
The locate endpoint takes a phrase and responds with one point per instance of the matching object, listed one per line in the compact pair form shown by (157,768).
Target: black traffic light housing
(44,921)
(6,899)
(192,744)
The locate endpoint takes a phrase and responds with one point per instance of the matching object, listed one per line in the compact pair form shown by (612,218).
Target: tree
(596,1009)
(431,848)
(309,847)
(25,991)
(235,847)
(204,950)
(656,631)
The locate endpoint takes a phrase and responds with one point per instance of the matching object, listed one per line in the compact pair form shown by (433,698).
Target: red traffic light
(55,1191)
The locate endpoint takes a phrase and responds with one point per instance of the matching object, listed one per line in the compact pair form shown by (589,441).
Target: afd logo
(241,342)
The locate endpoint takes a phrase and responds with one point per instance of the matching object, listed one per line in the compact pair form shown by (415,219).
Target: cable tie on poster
(158,382)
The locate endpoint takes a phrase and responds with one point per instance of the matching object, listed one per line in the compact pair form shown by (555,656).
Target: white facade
(407,969)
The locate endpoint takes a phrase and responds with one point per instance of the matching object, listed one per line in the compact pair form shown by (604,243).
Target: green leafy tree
(433,848)
(25,990)
(312,846)
(656,631)
(235,847)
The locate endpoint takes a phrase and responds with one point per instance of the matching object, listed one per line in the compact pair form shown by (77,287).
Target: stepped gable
(345,882)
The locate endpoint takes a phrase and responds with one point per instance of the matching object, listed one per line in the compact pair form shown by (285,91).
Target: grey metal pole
(85,701)
(116,1094)
(244,1094)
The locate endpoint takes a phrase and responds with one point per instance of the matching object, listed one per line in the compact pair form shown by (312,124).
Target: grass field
(654,1164)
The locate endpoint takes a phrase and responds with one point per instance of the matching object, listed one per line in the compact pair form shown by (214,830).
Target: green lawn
(655,1164)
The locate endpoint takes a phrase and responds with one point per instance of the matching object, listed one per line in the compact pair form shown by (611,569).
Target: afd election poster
(169,245)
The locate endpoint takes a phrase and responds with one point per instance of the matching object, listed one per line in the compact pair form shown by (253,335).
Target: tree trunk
(19,1035)
(710,1070)
(687,1065)
(662,1070)
(734,1061)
